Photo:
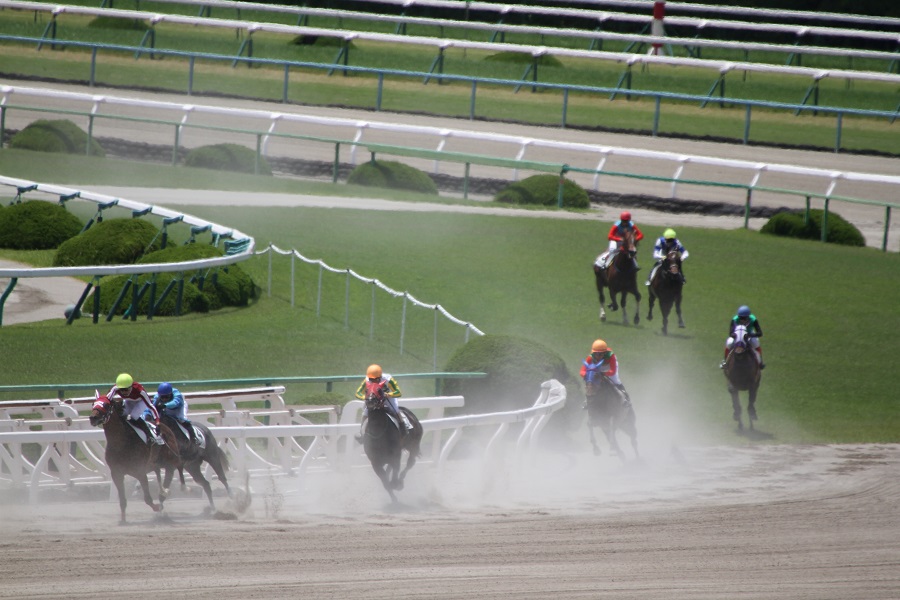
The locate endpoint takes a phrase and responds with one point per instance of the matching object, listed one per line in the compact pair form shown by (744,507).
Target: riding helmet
(625,216)
(669,234)
(165,389)
(124,381)
(599,346)
(744,311)
(373,372)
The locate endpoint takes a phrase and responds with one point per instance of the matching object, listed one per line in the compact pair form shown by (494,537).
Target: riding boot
(192,435)
(634,262)
(407,426)
(153,434)
(762,365)
(359,436)
(621,388)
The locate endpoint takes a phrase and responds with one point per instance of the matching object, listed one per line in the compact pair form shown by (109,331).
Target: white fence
(440,45)
(281,439)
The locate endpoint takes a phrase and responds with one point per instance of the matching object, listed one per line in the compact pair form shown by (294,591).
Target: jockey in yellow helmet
(667,242)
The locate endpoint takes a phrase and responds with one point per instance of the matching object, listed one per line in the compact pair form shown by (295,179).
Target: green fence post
(825,222)
(565,107)
(747,209)
(887,225)
(258,150)
(466,182)
(561,187)
(2,124)
(9,289)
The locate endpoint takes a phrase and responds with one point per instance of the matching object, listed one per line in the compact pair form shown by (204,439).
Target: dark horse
(621,278)
(128,454)
(666,285)
(193,456)
(384,444)
(608,409)
(743,374)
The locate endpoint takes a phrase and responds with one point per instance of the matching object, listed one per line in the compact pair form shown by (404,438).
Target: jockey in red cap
(616,237)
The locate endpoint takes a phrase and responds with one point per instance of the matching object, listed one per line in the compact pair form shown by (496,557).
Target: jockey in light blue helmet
(745,317)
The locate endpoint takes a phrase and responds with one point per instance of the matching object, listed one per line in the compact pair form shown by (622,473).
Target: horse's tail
(212,446)
(414,443)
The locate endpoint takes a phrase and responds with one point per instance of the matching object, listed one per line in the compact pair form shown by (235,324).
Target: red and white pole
(656,28)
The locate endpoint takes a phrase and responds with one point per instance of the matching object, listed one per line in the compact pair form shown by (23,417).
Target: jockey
(171,403)
(748,319)
(664,245)
(616,237)
(383,386)
(136,406)
(602,362)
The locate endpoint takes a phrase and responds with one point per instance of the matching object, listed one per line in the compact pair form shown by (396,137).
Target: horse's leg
(751,405)
(164,484)
(736,405)
(409,465)
(610,431)
(650,309)
(590,427)
(637,304)
(629,426)
(678,310)
(598,280)
(385,480)
(196,472)
(145,486)
(118,480)
(624,310)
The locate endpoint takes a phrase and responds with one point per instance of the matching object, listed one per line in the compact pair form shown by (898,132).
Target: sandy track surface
(795,522)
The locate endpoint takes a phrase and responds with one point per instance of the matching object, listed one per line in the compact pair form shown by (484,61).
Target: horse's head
(672,262)
(628,244)
(100,410)
(741,339)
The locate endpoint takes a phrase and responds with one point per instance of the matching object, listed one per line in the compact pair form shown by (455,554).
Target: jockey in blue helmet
(745,317)
(170,402)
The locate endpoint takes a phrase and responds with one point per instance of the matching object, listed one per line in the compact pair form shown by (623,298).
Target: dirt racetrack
(793,522)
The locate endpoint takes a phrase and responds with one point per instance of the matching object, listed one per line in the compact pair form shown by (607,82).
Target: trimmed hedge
(226,286)
(55,136)
(392,175)
(227,157)
(524,59)
(543,190)
(121,24)
(36,225)
(791,224)
(110,242)
(516,368)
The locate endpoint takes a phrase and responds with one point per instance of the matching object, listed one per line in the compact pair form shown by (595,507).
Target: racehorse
(128,454)
(608,409)
(666,286)
(384,444)
(743,374)
(621,278)
(193,456)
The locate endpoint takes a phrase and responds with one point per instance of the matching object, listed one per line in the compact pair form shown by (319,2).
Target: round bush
(55,136)
(516,368)
(544,190)
(227,157)
(791,224)
(110,242)
(225,286)
(36,225)
(116,23)
(392,175)
(523,59)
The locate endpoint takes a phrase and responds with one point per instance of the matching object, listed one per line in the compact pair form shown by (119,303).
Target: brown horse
(621,278)
(743,374)
(194,455)
(666,285)
(608,409)
(128,454)
(384,444)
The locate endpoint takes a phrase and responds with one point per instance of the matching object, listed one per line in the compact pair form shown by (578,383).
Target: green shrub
(36,225)
(544,190)
(225,286)
(116,23)
(791,224)
(522,58)
(227,157)
(324,41)
(392,175)
(110,242)
(516,368)
(55,136)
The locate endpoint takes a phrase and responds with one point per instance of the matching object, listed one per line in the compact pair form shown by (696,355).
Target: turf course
(828,314)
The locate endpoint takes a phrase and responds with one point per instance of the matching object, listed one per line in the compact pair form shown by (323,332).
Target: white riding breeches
(754,343)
